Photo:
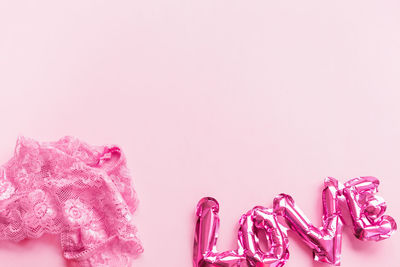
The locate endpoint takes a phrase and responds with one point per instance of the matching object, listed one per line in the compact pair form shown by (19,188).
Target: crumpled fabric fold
(82,193)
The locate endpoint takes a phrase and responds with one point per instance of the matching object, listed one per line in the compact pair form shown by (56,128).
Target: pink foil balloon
(367,210)
(262,238)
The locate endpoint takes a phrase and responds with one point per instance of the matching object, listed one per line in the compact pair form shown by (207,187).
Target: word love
(263,240)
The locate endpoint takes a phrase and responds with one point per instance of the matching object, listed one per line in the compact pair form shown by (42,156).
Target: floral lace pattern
(84,193)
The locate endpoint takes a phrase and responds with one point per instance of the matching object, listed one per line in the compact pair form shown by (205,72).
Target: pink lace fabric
(84,193)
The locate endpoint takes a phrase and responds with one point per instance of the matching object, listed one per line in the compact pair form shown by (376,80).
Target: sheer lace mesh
(84,193)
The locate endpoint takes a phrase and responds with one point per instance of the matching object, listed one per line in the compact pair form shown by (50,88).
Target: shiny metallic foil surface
(262,235)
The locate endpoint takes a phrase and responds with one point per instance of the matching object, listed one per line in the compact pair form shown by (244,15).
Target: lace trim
(84,193)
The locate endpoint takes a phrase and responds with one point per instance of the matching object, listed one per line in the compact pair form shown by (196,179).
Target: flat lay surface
(230,99)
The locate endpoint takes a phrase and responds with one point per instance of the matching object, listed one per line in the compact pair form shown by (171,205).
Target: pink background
(240,100)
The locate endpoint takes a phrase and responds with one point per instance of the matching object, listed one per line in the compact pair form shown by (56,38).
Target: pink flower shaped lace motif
(76,212)
(84,193)
(41,215)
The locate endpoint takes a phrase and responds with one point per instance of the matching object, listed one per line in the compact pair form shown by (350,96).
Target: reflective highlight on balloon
(262,237)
